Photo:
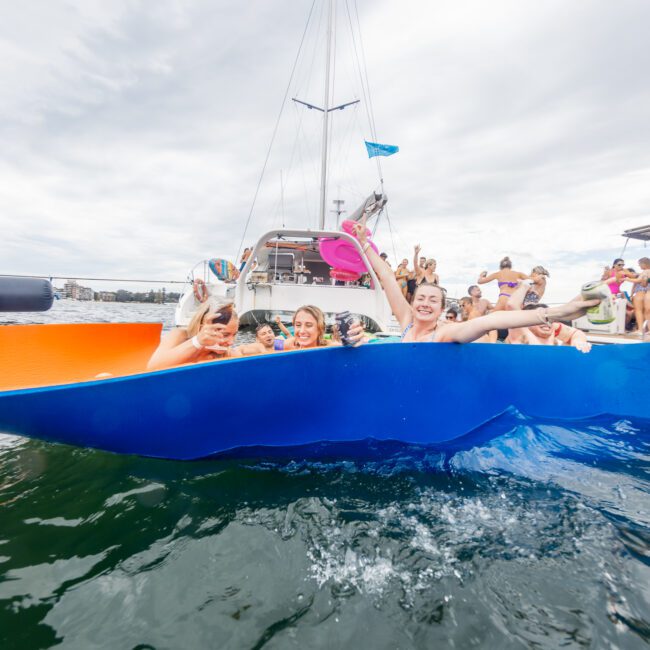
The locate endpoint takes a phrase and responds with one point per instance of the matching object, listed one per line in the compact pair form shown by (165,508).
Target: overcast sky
(134,133)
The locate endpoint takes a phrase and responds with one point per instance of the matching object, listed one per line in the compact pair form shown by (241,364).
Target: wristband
(365,247)
(195,342)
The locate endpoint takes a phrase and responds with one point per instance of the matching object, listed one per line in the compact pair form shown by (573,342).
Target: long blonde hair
(224,308)
(318,316)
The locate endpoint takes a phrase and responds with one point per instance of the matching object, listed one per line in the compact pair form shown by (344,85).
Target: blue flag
(376,149)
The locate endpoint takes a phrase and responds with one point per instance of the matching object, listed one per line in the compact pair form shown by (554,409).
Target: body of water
(537,537)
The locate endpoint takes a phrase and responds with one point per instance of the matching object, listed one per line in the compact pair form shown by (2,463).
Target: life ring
(342,254)
(344,275)
(200,290)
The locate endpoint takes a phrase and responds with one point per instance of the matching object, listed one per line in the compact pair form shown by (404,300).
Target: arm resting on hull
(473,329)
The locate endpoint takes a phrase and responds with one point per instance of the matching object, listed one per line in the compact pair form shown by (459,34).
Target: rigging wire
(365,86)
(275,130)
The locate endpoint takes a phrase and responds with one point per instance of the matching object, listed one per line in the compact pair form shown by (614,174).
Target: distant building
(106,296)
(75,291)
(85,293)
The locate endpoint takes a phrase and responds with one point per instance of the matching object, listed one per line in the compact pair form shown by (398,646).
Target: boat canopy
(642,233)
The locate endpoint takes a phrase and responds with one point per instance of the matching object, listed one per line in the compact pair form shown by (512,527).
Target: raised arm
(283,329)
(398,303)
(473,329)
(416,261)
(484,277)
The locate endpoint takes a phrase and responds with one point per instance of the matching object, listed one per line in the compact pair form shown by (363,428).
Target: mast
(326,104)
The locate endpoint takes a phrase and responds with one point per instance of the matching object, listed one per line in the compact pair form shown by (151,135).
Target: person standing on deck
(507,280)
(480,305)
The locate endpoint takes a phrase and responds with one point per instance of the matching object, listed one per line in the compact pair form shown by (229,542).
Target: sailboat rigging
(287,268)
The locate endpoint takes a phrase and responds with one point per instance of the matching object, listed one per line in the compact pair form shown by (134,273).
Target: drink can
(602,313)
(344,321)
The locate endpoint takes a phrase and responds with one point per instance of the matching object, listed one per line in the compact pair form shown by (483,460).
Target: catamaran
(287,267)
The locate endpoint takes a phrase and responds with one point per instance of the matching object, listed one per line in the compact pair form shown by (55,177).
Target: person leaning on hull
(208,337)
(419,321)
(211,334)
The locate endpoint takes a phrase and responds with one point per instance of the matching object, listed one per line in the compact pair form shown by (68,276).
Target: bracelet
(195,342)
(365,247)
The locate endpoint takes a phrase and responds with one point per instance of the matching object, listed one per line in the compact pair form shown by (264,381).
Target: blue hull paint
(418,393)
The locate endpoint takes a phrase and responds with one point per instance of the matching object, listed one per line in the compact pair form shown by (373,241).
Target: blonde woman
(538,285)
(209,337)
(309,330)
(424,272)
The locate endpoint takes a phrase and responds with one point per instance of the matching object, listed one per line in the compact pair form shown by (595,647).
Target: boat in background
(286,268)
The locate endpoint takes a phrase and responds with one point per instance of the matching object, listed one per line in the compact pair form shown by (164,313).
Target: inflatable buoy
(200,290)
(341,254)
(348,226)
(343,275)
(223,269)
(25,294)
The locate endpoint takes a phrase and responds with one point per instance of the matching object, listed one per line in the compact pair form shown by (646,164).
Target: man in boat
(549,333)
(480,305)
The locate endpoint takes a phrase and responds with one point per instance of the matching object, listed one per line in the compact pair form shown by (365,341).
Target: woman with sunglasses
(616,275)
(208,337)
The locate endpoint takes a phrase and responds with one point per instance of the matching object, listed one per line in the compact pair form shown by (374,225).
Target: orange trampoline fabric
(46,355)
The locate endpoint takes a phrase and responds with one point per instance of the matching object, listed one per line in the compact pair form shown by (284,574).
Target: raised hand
(360,230)
(356,336)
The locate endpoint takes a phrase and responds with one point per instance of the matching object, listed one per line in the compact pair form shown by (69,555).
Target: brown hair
(317,314)
(224,312)
(443,292)
(645,260)
(505,263)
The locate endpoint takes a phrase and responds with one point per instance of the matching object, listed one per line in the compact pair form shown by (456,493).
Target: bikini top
(406,330)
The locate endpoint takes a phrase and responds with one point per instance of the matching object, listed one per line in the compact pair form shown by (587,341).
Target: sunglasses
(222,317)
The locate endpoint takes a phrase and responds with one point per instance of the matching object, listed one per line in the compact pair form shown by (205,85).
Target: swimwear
(511,285)
(531,298)
(405,332)
(614,287)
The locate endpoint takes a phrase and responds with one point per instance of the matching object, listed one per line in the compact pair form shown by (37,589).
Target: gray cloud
(133,136)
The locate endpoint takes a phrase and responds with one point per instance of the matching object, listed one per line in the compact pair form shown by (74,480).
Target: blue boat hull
(417,393)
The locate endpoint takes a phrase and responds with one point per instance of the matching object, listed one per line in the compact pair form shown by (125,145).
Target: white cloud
(133,135)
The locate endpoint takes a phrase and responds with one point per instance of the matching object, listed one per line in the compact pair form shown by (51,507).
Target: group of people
(420,311)
(638,302)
